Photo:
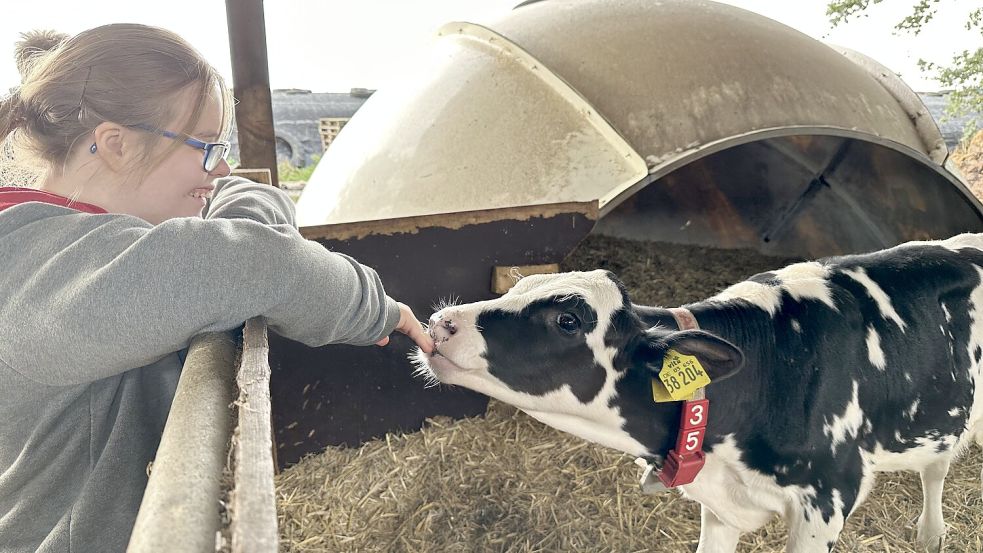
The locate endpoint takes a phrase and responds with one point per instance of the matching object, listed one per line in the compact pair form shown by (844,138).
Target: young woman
(129,243)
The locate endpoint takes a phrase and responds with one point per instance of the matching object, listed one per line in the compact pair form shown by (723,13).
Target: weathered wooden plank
(505,276)
(253,523)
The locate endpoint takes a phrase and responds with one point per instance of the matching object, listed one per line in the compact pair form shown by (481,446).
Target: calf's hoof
(931,544)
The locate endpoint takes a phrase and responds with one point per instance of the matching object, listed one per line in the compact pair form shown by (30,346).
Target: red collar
(12,195)
(684,318)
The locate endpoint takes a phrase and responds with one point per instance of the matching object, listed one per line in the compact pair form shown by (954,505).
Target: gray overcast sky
(332,46)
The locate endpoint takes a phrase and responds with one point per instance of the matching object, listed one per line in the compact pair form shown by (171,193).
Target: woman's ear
(719,358)
(110,145)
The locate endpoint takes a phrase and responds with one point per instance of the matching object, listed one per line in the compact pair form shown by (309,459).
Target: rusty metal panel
(810,196)
(340,394)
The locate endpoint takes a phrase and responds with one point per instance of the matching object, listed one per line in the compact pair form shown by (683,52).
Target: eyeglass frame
(207,147)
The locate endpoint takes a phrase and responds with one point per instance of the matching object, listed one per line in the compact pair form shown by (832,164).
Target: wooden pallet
(329,127)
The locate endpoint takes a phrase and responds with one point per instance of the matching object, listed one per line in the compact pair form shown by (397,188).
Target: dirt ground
(508,483)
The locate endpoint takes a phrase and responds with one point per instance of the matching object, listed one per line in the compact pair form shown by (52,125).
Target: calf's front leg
(715,536)
(810,531)
(931,528)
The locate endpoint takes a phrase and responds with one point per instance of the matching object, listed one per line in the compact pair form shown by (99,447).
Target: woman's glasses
(215,152)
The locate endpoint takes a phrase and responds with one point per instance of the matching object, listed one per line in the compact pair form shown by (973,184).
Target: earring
(92,149)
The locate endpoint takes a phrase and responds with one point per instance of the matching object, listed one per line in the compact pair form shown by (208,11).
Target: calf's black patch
(530,353)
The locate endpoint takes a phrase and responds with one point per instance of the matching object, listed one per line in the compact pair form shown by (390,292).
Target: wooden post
(251,85)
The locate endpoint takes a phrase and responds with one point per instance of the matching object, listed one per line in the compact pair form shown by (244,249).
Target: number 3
(697,415)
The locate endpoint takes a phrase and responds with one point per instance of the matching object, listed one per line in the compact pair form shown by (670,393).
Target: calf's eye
(568,322)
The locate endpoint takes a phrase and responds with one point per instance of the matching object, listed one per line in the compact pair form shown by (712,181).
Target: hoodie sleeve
(111,292)
(238,198)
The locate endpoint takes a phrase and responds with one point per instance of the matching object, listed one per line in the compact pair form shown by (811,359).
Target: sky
(333,46)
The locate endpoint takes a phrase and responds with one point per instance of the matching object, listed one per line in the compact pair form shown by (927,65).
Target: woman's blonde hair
(128,74)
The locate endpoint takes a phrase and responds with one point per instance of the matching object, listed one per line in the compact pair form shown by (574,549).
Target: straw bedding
(509,483)
(506,482)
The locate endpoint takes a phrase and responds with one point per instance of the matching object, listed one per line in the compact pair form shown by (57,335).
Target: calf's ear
(720,358)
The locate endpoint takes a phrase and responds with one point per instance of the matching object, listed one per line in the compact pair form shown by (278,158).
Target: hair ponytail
(33,46)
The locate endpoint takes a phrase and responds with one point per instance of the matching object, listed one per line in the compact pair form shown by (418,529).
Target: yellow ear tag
(681,375)
(659,392)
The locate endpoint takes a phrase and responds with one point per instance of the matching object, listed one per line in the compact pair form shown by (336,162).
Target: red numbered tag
(685,461)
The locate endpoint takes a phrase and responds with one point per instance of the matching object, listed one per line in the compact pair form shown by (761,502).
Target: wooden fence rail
(182,506)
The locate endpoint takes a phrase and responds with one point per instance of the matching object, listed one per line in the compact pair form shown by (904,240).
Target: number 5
(693,440)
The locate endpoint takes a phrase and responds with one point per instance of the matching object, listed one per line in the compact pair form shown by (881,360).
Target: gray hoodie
(96,313)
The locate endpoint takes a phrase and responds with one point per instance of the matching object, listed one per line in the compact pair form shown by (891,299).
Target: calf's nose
(441,328)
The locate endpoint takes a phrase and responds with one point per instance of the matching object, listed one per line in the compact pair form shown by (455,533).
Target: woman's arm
(100,294)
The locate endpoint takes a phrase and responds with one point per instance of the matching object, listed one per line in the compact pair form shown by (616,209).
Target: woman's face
(179,185)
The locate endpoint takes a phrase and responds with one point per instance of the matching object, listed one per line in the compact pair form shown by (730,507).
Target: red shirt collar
(12,195)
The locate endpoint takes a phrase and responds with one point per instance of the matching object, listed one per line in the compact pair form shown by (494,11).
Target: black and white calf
(823,373)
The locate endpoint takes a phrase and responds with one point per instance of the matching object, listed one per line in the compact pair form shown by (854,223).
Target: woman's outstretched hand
(410,326)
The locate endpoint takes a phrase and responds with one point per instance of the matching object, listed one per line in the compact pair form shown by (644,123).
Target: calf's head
(570,350)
